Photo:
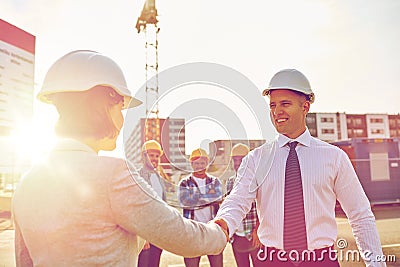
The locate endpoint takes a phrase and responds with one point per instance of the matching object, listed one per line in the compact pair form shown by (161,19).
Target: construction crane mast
(147,23)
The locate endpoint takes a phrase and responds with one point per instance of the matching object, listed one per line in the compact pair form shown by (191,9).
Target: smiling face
(151,158)
(199,165)
(288,112)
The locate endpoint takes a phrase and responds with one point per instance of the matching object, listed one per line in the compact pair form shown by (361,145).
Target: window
(358,121)
(310,120)
(326,119)
(358,132)
(377,131)
(376,120)
(328,131)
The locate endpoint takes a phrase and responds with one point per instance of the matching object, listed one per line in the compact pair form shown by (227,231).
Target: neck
(297,134)
(199,174)
(93,144)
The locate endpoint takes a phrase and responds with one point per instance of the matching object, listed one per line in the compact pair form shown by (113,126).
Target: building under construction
(172,139)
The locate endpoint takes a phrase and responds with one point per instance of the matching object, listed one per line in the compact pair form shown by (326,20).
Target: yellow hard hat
(82,70)
(240,150)
(197,153)
(152,145)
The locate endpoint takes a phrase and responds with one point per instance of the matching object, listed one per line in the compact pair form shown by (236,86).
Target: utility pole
(147,23)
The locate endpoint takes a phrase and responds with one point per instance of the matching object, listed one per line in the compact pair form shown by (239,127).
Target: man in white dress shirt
(325,175)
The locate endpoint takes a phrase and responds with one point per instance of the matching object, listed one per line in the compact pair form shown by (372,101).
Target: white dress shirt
(327,176)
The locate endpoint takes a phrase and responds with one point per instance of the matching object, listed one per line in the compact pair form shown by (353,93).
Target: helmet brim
(311,97)
(133,102)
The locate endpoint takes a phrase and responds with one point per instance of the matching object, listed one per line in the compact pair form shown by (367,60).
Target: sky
(348,49)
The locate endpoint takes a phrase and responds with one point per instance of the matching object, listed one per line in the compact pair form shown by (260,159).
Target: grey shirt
(81,209)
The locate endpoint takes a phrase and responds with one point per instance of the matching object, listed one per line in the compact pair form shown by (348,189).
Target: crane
(147,23)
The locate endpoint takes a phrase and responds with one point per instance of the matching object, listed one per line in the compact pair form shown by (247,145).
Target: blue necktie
(294,227)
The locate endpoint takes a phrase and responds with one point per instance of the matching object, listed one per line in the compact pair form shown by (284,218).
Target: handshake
(223,225)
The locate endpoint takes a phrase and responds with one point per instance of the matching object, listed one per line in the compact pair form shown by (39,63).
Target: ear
(306,106)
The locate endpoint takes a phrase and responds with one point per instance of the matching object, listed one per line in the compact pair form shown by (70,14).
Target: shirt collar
(69,144)
(304,139)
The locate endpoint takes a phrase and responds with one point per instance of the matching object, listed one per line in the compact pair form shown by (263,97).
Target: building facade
(332,127)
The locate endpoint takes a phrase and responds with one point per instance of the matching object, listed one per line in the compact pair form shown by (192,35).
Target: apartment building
(332,127)
(172,140)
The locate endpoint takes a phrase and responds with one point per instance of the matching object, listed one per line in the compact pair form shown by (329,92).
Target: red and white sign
(17,65)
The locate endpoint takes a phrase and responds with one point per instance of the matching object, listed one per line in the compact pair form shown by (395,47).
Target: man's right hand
(224,226)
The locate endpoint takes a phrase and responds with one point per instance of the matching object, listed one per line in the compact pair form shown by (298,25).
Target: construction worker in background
(76,208)
(151,173)
(200,195)
(296,180)
(245,242)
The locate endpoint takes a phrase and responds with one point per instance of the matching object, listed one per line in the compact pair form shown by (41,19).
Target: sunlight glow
(31,141)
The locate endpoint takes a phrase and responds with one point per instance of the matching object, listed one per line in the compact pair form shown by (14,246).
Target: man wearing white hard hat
(296,180)
(81,209)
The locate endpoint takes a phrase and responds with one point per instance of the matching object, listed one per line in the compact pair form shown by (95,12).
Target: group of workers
(200,195)
(81,209)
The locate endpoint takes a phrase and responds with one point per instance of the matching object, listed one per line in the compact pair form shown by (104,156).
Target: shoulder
(317,143)
(117,168)
(184,180)
(326,148)
(213,178)
(268,148)
(113,162)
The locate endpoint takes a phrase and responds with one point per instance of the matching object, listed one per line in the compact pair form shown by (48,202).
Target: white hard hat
(290,79)
(81,70)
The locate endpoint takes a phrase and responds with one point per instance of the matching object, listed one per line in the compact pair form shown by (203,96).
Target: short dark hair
(86,114)
(307,97)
